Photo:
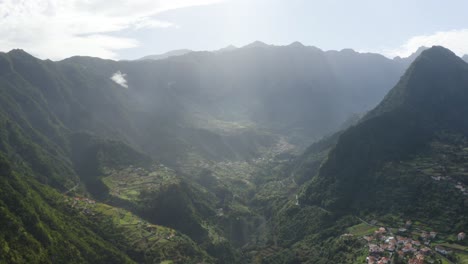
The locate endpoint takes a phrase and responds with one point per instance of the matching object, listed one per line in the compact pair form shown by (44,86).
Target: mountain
(257,44)
(428,100)
(56,228)
(47,215)
(255,85)
(226,49)
(296,44)
(183,155)
(465,58)
(405,159)
(167,54)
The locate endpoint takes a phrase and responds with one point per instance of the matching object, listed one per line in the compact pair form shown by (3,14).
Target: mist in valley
(128,134)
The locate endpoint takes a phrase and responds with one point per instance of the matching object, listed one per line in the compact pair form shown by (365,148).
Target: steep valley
(263,154)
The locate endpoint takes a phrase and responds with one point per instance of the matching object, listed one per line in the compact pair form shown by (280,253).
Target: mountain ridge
(405,159)
(398,127)
(295,44)
(166,55)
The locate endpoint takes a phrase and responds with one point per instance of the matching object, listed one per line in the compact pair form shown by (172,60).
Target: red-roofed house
(424,235)
(408,224)
(384,260)
(371,260)
(425,250)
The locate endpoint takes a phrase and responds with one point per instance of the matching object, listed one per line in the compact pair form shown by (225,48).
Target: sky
(130,29)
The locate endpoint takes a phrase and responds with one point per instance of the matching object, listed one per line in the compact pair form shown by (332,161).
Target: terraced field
(151,243)
(130,182)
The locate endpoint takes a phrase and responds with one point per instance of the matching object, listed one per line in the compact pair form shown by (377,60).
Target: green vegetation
(37,227)
(232,188)
(161,196)
(41,157)
(361,229)
(141,240)
(130,183)
(406,159)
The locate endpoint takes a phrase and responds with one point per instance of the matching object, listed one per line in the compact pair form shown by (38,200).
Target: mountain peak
(226,49)
(437,52)
(13,51)
(257,44)
(229,47)
(434,78)
(19,52)
(348,51)
(296,44)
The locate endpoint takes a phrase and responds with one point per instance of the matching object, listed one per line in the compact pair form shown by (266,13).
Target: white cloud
(455,40)
(57,29)
(152,23)
(119,78)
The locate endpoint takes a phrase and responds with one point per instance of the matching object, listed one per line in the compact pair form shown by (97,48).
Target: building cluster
(171,235)
(84,199)
(458,185)
(220,212)
(462,188)
(78,202)
(383,245)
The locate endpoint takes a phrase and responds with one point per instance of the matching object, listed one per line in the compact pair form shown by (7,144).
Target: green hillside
(406,159)
(203,158)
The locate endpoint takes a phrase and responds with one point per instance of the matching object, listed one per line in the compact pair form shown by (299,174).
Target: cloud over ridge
(455,40)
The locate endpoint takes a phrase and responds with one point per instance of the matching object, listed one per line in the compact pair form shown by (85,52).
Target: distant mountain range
(167,54)
(182,52)
(331,61)
(260,44)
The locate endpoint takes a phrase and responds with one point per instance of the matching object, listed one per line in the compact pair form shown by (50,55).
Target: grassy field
(445,261)
(463,258)
(362,229)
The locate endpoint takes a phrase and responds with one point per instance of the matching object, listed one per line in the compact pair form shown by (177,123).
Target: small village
(408,245)
(82,204)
